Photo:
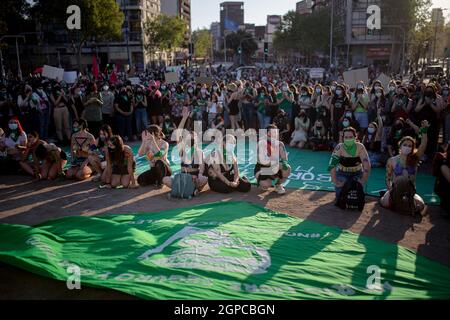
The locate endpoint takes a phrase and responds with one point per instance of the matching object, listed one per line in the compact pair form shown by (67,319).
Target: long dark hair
(119,154)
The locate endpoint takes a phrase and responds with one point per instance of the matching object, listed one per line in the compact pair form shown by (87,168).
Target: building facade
(360,46)
(231,16)
(304,7)
(273,23)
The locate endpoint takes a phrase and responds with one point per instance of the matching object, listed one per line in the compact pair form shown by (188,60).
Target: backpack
(402,196)
(183,186)
(352,196)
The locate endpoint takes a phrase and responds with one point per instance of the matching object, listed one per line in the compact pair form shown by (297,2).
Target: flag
(94,67)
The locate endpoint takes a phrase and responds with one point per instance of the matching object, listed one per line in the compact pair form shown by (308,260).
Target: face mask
(13,126)
(285,88)
(76,129)
(360,87)
(333,88)
(270,89)
(215,88)
(102,138)
(105,88)
(190,90)
(348,115)
(391,88)
(345,124)
(338,92)
(318,91)
(349,142)
(173,89)
(406,150)
(371,130)
(378,94)
(163,88)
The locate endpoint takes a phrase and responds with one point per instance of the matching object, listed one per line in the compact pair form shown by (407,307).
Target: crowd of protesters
(367,125)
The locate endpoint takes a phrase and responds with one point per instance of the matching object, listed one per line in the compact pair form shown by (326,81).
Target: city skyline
(206,12)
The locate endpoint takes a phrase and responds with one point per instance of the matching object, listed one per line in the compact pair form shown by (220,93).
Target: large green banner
(225,250)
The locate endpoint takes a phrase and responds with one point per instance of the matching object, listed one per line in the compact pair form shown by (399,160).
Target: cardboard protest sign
(316,73)
(354,76)
(135,80)
(172,77)
(384,79)
(53,72)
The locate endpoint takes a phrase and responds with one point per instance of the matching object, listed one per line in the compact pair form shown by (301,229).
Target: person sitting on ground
(97,154)
(120,165)
(15,143)
(272,165)
(223,170)
(192,160)
(155,148)
(318,140)
(80,145)
(28,165)
(349,161)
(441,170)
(404,166)
(300,134)
(53,161)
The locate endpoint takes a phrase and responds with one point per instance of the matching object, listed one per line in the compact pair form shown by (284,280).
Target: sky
(255,11)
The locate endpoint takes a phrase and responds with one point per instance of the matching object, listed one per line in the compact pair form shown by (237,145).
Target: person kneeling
(272,165)
(223,171)
(120,165)
(156,150)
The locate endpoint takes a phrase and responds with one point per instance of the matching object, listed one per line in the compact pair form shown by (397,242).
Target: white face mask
(405,150)
(371,130)
(190,90)
(318,91)
(378,94)
(285,88)
(392,88)
(173,89)
(270,89)
(338,92)
(215,88)
(105,88)
(345,124)
(348,115)
(13,126)
(333,88)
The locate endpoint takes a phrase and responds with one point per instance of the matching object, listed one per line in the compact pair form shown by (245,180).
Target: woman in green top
(264,101)
(285,100)
(360,105)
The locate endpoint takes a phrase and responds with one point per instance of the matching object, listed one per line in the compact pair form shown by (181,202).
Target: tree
(236,39)
(164,33)
(13,16)
(101,20)
(202,40)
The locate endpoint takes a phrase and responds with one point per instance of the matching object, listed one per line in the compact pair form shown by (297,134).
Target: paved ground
(25,202)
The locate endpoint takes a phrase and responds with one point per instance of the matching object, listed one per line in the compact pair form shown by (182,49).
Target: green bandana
(350,147)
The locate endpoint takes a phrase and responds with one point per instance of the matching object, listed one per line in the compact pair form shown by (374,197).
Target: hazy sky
(255,11)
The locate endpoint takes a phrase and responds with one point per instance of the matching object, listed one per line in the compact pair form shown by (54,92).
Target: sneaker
(280,189)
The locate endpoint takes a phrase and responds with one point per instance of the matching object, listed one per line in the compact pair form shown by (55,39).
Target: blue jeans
(44,121)
(124,125)
(264,120)
(141,120)
(342,176)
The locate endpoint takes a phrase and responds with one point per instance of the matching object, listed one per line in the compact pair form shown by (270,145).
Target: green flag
(225,250)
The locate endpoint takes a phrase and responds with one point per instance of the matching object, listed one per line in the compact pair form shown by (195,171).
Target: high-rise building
(215,31)
(304,7)
(360,46)
(439,43)
(231,16)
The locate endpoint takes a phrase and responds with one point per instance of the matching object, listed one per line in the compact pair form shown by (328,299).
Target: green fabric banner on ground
(226,250)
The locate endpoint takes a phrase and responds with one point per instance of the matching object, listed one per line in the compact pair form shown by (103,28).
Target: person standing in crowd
(349,160)
(233,105)
(300,134)
(429,108)
(178,101)
(81,144)
(248,106)
(282,122)
(360,105)
(76,103)
(441,170)
(272,165)
(156,149)
(192,160)
(339,104)
(23,103)
(446,113)
(155,106)
(120,165)
(264,101)
(97,153)
(404,166)
(107,96)
(61,114)
(141,105)
(402,105)
(213,109)
(93,109)
(123,108)
(44,111)
(223,170)
(285,100)
(165,98)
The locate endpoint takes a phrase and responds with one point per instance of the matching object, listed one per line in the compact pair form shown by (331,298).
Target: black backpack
(402,197)
(352,196)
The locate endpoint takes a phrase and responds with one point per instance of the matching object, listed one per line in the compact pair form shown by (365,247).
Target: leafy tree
(202,42)
(101,20)
(249,45)
(13,16)
(164,33)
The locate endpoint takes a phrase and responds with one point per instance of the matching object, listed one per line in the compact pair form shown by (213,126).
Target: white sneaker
(280,189)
